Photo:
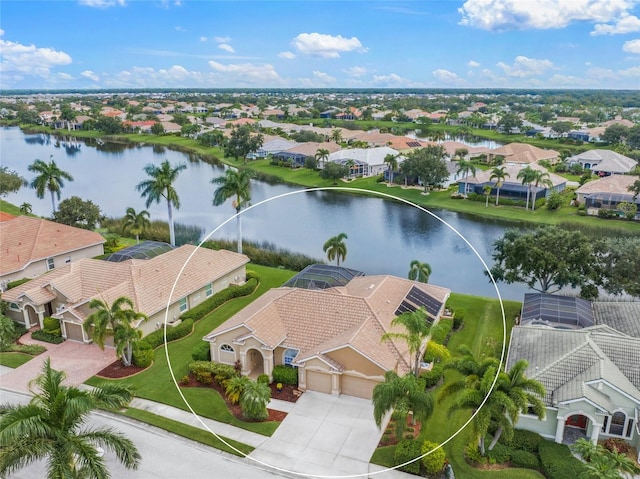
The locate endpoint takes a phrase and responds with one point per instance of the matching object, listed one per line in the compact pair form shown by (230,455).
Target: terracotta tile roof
(310,148)
(523,153)
(512,171)
(608,184)
(4,216)
(26,239)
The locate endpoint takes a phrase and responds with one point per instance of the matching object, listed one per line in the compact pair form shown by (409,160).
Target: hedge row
(205,372)
(285,375)
(557,462)
(41,335)
(17,282)
(156,338)
(143,354)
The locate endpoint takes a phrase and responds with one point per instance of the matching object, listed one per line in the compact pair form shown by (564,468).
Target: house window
(67,259)
(208,290)
(14,307)
(618,425)
(226,348)
(50,264)
(288,356)
(183,305)
(629,428)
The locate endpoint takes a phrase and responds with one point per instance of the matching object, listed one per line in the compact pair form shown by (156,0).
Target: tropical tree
(465,167)
(77,212)
(460,153)
(401,394)
(136,222)
(234,387)
(336,248)
(539,178)
(26,208)
(322,156)
(50,177)
(527,176)
(53,427)
(160,185)
(427,165)
(486,191)
(334,171)
(392,164)
(336,135)
(635,189)
(601,463)
(419,271)
(10,181)
(234,183)
(499,175)
(242,142)
(415,334)
(108,320)
(254,400)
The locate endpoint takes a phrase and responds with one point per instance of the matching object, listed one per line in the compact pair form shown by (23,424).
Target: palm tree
(602,463)
(539,178)
(50,178)
(336,248)
(234,183)
(416,333)
(401,394)
(234,388)
(26,208)
(499,174)
(51,427)
(161,186)
(336,135)
(486,191)
(254,400)
(526,175)
(114,320)
(392,164)
(419,271)
(136,222)
(465,167)
(322,156)
(635,189)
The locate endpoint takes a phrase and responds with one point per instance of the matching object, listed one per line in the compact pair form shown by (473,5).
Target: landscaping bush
(51,326)
(263,378)
(17,282)
(458,319)
(523,440)
(555,201)
(432,378)
(202,352)
(617,445)
(434,462)
(218,299)
(285,375)
(210,370)
(472,454)
(557,462)
(156,338)
(499,454)
(40,335)
(441,331)
(143,354)
(32,349)
(525,459)
(407,450)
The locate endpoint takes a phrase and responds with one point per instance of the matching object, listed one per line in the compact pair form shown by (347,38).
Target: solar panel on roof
(413,144)
(405,307)
(421,298)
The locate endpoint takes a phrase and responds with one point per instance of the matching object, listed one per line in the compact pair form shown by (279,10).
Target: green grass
(156,383)
(190,432)
(13,360)
(9,208)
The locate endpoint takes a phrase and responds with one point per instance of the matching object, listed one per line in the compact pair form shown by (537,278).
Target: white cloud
(226,47)
(356,71)
(445,76)
(147,77)
(1,32)
(64,76)
(102,3)
(319,80)
(222,39)
(326,46)
(287,55)
(30,60)
(473,64)
(630,72)
(395,80)
(632,46)
(539,14)
(179,29)
(523,67)
(90,75)
(203,39)
(601,74)
(627,24)
(247,73)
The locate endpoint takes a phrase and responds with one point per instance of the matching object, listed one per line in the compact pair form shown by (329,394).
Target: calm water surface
(383,236)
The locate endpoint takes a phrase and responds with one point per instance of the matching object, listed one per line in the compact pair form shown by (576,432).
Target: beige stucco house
(333,336)
(32,246)
(162,287)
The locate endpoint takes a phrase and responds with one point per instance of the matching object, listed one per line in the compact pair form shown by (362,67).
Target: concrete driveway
(323,435)
(79,361)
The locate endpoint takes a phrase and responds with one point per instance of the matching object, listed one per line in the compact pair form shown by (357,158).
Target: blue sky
(293,44)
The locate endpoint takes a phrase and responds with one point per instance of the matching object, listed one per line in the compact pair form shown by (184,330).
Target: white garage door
(317,381)
(356,386)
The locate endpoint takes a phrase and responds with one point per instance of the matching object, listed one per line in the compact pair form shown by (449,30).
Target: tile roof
(371,156)
(606,160)
(26,239)
(310,148)
(608,184)
(622,316)
(523,153)
(512,178)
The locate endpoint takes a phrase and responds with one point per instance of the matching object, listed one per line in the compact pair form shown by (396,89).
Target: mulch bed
(411,431)
(116,370)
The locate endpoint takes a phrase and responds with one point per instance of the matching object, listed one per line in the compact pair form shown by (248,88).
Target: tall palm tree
(322,156)
(336,248)
(486,191)
(499,175)
(539,178)
(415,334)
(50,177)
(136,222)
(161,186)
(526,175)
(26,208)
(392,164)
(52,427)
(401,394)
(108,320)
(234,183)
(419,271)
(336,135)
(465,167)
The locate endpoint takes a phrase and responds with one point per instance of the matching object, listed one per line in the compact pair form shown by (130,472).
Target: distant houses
(604,162)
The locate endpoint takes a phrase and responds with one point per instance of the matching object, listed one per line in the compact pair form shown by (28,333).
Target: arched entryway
(254,363)
(575,428)
(32,316)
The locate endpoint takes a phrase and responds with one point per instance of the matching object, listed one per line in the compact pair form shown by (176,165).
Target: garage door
(74,332)
(356,386)
(320,382)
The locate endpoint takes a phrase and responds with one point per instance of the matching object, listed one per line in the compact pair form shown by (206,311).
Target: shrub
(472,454)
(616,445)
(254,400)
(32,349)
(525,459)
(7,332)
(557,462)
(434,462)
(17,282)
(554,201)
(204,377)
(458,319)
(607,214)
(263,378)
(285,375)
(441,331)
(220,372)
(185,380)
(40,335)
(51,326)
(432,378)
(208,305)
(202,352)
(499,454)
(143,354)
(407,450)
(523,440)
(156,338)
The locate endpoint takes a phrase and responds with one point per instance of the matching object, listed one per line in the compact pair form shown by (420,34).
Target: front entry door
(578,421)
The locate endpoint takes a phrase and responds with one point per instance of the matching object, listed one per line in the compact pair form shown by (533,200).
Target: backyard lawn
(13,360)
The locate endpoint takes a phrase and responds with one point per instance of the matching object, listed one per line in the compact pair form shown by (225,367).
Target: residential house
(271,147)
(162,287)
(373,138)
(32,246)
(299,153)
(604,162)
(332,336)
(607,192)
(450,147)
(522,154)
(363,161)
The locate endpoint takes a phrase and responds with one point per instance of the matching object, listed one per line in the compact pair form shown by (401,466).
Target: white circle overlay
(349,190)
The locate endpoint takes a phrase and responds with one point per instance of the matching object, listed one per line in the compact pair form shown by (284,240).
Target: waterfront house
(604,162)
(522,154)
(363,161)
(607,193)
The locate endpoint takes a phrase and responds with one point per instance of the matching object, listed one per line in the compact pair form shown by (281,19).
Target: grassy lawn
(13,360)
(190,432)
(9,208)
(483,332)
(156,383)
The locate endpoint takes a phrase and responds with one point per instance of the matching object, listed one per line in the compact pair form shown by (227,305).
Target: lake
(383,236)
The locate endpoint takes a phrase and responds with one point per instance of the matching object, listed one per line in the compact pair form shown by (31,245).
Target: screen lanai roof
(322,276)
(557,310)
(143,250)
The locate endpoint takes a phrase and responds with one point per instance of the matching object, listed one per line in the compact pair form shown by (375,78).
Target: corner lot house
(604,162)
(65,292)
(363,161)
(331,335)
(33,246)
(607,193)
